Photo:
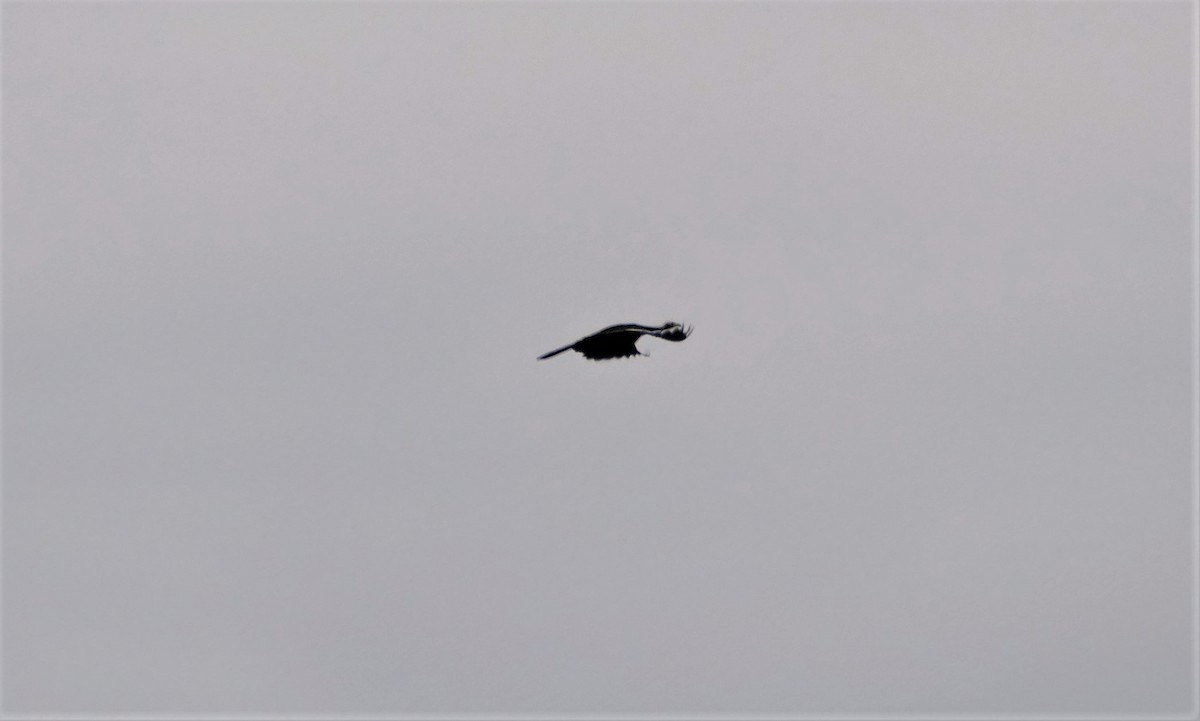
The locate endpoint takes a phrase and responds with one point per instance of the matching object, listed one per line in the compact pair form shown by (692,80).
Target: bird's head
(675,331)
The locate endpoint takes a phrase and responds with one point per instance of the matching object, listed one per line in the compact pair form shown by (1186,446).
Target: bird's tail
(553,353)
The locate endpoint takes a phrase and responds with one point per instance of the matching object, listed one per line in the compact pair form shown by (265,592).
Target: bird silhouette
(618,341)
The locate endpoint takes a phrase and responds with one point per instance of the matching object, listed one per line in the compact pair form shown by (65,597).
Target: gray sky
(275,276)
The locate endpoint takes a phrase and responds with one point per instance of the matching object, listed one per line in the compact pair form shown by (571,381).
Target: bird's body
(619,341)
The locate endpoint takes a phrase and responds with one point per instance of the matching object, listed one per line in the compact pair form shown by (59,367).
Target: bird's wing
(609,343)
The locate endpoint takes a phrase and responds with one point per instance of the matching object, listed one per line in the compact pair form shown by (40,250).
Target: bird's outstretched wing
(609,344)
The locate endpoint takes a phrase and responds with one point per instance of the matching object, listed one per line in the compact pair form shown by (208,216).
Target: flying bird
(618,341)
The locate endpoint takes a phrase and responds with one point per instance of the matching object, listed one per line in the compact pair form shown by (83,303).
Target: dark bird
(618,341)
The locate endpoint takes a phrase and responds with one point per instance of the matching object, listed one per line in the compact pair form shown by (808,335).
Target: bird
(617,341)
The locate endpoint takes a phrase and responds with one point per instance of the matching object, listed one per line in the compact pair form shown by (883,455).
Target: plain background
(275,276)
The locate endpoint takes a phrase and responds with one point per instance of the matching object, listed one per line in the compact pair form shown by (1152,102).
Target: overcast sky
(275,277)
